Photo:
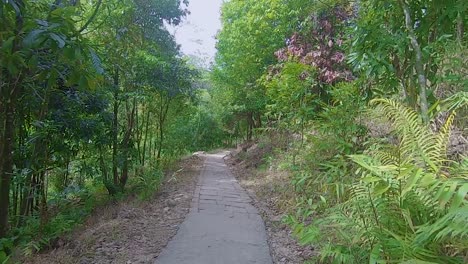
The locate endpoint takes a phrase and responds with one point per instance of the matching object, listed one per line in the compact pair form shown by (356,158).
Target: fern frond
(417,261)
(418,144)
(453,225)
(456,101)
(461,169)
(442,139)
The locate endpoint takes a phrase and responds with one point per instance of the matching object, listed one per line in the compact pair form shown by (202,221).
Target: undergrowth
(69,209)
(367,200)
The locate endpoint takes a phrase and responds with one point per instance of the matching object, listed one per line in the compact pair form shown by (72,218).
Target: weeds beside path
(271,196)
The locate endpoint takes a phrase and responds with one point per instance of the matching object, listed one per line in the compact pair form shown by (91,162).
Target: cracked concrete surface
(223,227)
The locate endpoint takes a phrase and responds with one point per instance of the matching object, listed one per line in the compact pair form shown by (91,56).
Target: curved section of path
(223,227)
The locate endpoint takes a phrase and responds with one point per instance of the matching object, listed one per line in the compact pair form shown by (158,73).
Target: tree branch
(91,18)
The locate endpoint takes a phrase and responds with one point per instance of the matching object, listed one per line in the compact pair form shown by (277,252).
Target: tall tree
(252,31)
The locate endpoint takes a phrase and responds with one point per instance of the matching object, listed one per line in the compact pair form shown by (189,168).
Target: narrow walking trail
(223,227)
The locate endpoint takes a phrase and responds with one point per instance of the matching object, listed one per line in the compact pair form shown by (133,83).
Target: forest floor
(131,231)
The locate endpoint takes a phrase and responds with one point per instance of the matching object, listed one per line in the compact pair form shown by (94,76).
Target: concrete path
(222,226)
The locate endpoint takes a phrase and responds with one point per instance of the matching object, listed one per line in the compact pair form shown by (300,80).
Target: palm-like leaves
(410,203)
(419,145)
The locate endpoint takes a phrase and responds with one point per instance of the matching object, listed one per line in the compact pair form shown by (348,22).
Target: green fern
(410,203)
(418,144)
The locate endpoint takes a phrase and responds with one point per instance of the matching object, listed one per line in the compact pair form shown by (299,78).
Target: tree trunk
(138,134)
(126,144)
(164,108)
(250,126)
(146,137)
(7,127)
(460,28)
(115,128)
(6,165)
(105,175)
(419,65)
(42,199)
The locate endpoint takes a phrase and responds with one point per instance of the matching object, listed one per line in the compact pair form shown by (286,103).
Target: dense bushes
(373,182)
(95,98)
(403,202)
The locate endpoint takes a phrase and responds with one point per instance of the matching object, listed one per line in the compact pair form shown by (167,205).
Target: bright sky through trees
(196,34)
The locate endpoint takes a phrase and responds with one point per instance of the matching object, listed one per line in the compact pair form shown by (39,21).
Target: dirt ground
(273,196)
(132,231)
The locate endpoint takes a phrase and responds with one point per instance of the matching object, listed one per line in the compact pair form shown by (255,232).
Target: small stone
(171,203)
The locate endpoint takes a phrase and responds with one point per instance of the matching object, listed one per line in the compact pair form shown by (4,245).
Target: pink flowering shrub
(320,48)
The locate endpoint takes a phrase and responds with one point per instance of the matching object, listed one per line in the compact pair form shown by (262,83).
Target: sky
(196,34)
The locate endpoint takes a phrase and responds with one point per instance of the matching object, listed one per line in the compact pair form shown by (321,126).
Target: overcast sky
(196,34)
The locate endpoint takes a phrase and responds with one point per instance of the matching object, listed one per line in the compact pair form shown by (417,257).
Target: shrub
(409,204)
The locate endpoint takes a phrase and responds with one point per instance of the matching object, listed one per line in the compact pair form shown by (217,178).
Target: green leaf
(417,261)
(69,52)
(8,44)
(447,193)
(52,80)
(60,40)
(96,62)
(3,257)
(374,257)
(407,215)
(371,179)
(32,37)
(412,180)
(381,188)
(427,179)
(459,197)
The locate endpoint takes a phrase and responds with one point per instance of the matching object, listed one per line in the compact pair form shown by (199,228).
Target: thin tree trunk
(138,134)
(115,129)
(460,28)
(126,144)
(419,65)
(162,119)
(14,206)
(250,125)
(42,199)
(150,147)
(105,175)
(146,137)
(6,166)
(7,127)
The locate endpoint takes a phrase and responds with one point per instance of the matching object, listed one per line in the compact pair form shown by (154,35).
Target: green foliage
(90,95)
(148,183)
(338,133)
(290,94)
(6,245)
(95,94)
(381,50)
(406,204)
(363,195)
(72,210)
(252,31)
